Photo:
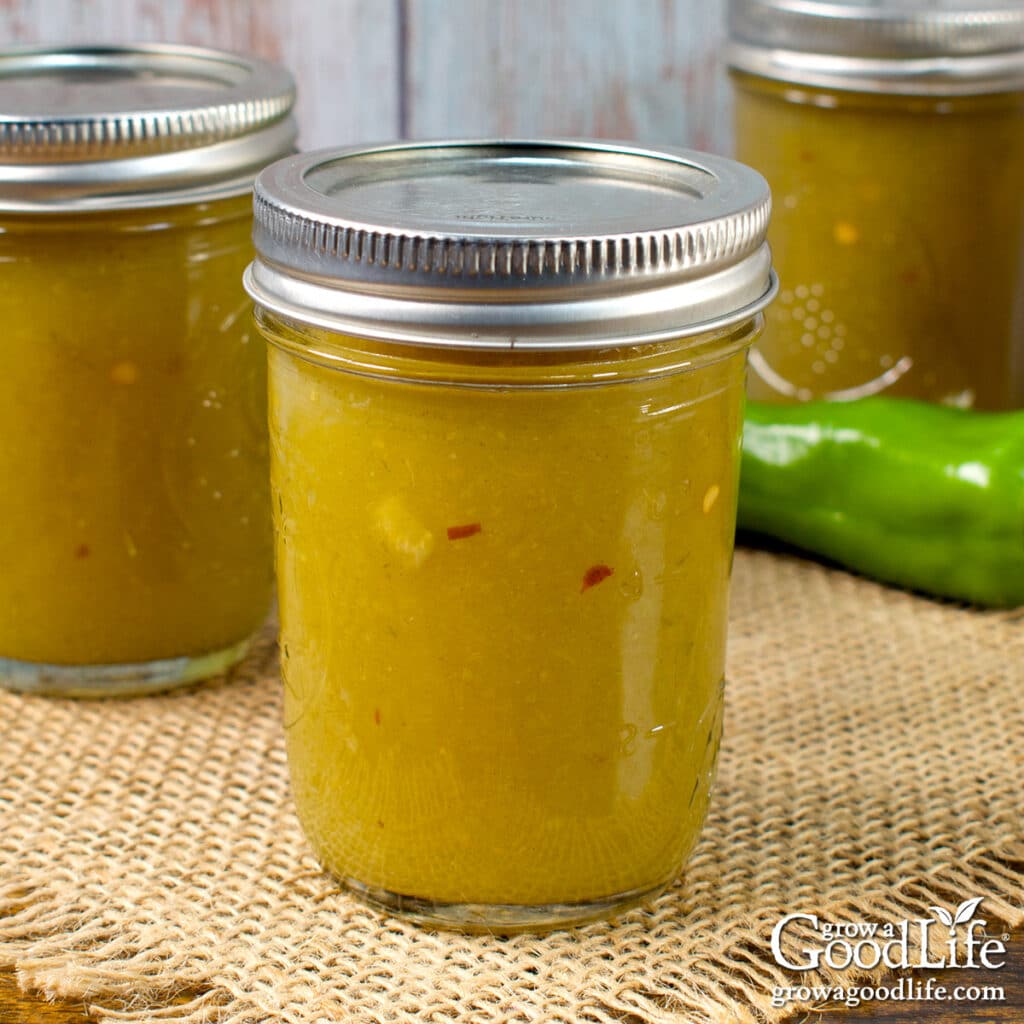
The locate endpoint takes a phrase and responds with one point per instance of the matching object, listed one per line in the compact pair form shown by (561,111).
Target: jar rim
(969,47)
(511,244)
(498,369)
(105,127)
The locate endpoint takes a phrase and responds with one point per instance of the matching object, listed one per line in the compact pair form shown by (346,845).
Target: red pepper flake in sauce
(595,574)
(82,551)
(376,716)
(462,532)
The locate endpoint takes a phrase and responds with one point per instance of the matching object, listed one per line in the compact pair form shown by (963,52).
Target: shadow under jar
(136,545)
(892,135)
(506,388)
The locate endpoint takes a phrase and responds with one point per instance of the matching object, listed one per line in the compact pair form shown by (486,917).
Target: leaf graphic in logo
(963,913)
(966,910)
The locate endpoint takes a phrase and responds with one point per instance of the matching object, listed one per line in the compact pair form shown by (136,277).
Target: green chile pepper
(924,496)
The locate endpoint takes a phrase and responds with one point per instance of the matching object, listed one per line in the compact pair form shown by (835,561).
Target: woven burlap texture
(151,864)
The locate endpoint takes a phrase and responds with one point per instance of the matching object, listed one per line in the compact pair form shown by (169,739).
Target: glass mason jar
(892,135)
(506,389)
(136,548)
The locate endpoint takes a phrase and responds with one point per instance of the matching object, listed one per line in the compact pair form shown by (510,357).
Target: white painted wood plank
(342,52)
(645,69)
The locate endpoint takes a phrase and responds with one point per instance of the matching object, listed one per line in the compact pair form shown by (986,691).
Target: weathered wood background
(377,69)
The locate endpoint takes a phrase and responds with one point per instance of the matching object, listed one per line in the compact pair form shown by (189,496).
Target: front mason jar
(893,140)
(504,531)
(136,547)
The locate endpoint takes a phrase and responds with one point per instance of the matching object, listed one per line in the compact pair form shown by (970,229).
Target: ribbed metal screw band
(698,245)
(202,126)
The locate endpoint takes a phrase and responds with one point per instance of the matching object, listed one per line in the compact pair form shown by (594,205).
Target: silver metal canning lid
(907,47)
(511,244)
(110,127)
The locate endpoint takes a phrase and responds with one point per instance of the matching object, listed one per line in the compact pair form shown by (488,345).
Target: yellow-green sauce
(132,436)
(502,609)
(898,236)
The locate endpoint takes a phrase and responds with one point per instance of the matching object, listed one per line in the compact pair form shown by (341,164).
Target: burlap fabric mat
(151,865)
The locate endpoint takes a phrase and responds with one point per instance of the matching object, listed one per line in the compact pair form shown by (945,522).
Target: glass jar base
(501,918)
(117,680)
